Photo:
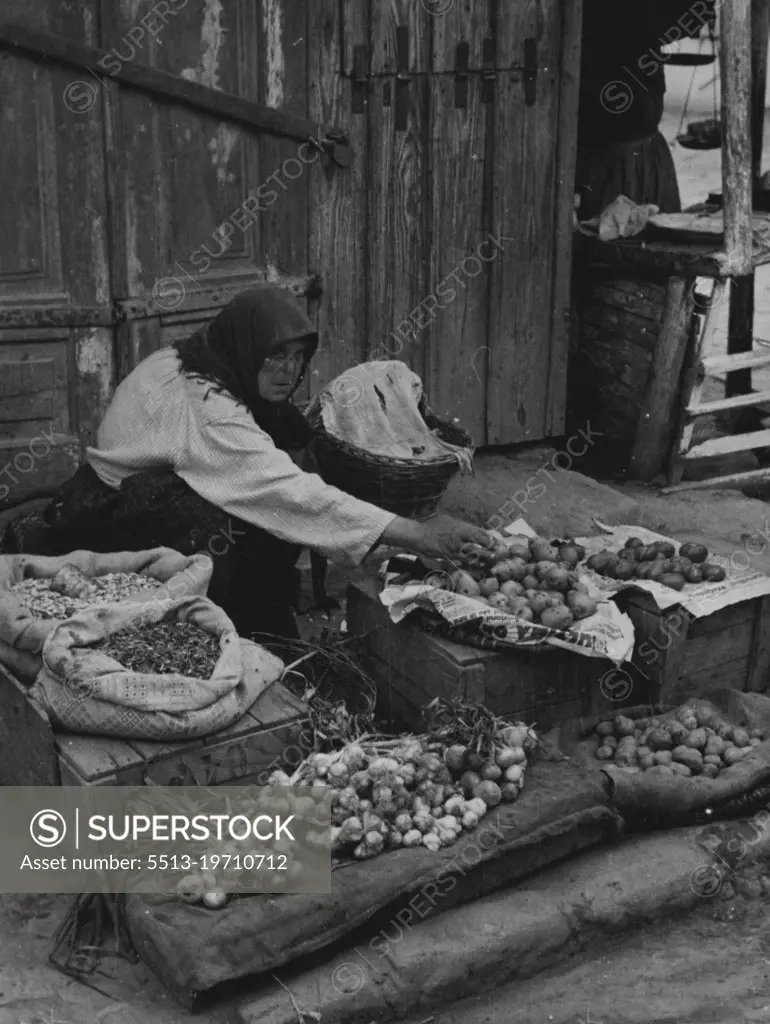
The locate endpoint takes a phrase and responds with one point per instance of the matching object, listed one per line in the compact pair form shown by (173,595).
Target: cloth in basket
(22,635)
(85,691)
(376,407)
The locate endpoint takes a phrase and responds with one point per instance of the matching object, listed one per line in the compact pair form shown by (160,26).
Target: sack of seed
(37,593)
(159,670)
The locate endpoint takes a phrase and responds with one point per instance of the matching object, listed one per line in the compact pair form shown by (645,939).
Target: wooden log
(735,73)
(659,406)
(760,30)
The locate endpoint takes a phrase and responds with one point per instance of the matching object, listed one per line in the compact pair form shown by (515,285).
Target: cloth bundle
(376,407)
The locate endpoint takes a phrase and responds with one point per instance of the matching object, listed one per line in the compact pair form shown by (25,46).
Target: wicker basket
(406,487)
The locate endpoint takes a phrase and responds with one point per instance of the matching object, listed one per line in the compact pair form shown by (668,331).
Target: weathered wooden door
(56,353)
(468,112)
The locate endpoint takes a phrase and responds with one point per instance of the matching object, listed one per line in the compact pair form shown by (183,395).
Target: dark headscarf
(230,351)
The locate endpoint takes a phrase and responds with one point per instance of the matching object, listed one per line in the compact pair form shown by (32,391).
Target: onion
(215,899)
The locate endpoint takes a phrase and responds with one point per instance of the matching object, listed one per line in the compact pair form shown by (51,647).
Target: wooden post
(760,31)
(658,413)
(735,62)
(735,68)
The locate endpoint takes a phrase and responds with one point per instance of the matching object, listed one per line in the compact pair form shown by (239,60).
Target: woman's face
(280,371)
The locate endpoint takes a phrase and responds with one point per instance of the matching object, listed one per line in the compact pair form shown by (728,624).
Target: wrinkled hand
(456,541)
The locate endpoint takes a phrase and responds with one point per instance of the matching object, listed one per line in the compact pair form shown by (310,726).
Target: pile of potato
(657,562)
(696,741)
(531,579)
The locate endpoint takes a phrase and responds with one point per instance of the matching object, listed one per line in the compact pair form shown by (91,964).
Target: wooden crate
(32,753)
(677,657)
(411,667)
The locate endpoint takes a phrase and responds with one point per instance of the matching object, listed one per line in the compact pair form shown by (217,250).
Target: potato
(707,717)
(755,741)
(642,751)
(611,742)
(659,739)
(605,753)
(605,729)
(677,732)
(740,738)
(710,771)
(626,751)
(713,759)
(688,756)
(733,754)
(662,769)
(715,746)
(663,757)
(680,769)
(697,739)
(756,734)
(646,761)
(725,732)
(624,726)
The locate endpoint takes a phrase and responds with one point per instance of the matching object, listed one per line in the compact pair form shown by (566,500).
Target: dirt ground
(711,968)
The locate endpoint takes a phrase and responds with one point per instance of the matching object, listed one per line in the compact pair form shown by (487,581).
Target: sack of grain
(37,593)
(170,669)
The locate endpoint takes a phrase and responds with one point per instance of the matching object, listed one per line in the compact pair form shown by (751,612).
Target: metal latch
(489,72)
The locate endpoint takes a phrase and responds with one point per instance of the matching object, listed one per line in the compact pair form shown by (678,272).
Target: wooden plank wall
(440,167)
(55,350)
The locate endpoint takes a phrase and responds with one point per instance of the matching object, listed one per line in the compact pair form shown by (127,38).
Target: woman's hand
(440,537)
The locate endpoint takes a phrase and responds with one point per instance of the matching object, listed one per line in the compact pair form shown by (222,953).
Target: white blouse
(158,419)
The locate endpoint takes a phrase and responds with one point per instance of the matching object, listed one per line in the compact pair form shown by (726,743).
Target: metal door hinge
(403,78)
(530,71)
(360,80)
(462,59)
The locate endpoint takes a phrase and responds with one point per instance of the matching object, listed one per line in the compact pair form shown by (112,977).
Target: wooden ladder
(699,367)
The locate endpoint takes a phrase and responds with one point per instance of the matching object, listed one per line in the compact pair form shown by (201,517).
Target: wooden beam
(41,46)
(729,480)
(735,68)
(659,409)
(760,32)
(740,331)
(754,398)
(729,445)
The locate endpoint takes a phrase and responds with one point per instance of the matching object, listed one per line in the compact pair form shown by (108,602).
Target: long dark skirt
(254,575)
(643,171)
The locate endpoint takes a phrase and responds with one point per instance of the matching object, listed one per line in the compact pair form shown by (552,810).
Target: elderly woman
(198,451)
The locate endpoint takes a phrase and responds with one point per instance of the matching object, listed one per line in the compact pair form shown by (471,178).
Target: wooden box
(677,657)
(33,754)
(411,667)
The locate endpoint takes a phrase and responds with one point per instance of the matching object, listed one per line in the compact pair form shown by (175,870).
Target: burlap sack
(648,801)
(85,691)
(22,635)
